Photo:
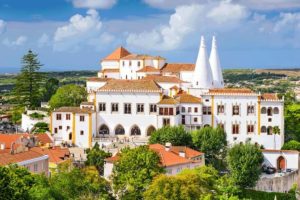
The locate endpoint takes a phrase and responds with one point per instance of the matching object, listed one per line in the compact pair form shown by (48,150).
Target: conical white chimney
(202,77)
(215,65)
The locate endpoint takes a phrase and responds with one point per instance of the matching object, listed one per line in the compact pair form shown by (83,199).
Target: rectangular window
(206,110)
(161,111)
(183,119)
(195,110)
(123,63)
(58,116)
(183,109)
(60,127)
(250,129)
(127,108)
(189,109)
(166,121)
(235,110)
(195,119)
(209,110)
(235,129)
(81,132)
(114,107)
(68,116)
(171,111)
(177,111)
(152,108)
(55,130)
(68,127)
(139,108)
(81,118)
(130,63)
(35,167)
(102,107)
(138,63)
(250,110)
(220,109)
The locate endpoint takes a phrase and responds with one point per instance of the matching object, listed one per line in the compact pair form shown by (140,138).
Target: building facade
(134,95)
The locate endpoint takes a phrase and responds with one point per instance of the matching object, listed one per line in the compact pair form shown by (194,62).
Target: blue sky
(77,34)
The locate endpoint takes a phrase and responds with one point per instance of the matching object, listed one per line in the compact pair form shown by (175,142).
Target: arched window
(119,130)
(281,163)
(263,129)
(135,130)
(269,130)
(263,110)
(150,130)
(276,110)
(103,130)
(269,111)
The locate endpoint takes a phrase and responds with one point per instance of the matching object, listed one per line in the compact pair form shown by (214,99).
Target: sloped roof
(269,96)
(232,90)
(8,139)
(187,98)
(44,138)
(130,85)
(56,154)
(167,100)
(8,158)
(117,54)
(178,67)
(148,69)
(74,110)
(163,79)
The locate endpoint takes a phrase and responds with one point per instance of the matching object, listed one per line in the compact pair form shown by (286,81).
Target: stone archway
(119,130)
(150,130)
(103,130)
(135,130)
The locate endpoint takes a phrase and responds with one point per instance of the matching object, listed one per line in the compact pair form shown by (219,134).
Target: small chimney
(168,146)
(182,154)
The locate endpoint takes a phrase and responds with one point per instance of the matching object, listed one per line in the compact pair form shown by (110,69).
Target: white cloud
(2,26)
(44,40)
(78,32)
(251,4)
(103,4)
(18,42)
(288,22)
(187,20)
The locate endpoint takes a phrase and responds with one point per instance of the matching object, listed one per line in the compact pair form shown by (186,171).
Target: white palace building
(135,94)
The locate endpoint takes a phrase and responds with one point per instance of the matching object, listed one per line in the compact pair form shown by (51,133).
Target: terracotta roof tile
(130,85)
(74,110)
(8,158)
(269,96)
(44,138)
(187,98)
(189,153)
(8,139)
(166,100)
(178,67)
(232,90)
(163,79)
(149,69)
(56,154)
(117,54)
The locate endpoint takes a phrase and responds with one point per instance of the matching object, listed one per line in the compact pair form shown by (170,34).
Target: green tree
(29,82)
(95,157)
(291,145)
(40,127)
(134,172)
(244,163)
(51,86)
(15,182)
(291,121)
(176,135)
(213,143)
(68,95)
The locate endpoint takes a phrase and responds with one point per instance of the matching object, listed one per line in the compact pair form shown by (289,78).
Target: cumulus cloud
(81,30)
(251,4)
(19,41)
(2,26)
(102,4)
(188,19)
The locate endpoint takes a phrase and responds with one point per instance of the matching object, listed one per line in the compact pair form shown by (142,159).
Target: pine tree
(29,82)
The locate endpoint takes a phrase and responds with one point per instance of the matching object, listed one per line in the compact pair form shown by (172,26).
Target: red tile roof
(117,54)
(8,139)
(130,85)
(232,90)
(56,154)
(187,98)
(149,69)
(178,67)
(269,96)
(167,100)
(8,158)
(44,138)
(168,158)
(163,79)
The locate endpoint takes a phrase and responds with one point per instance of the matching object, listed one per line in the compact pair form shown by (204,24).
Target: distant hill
(287,72)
